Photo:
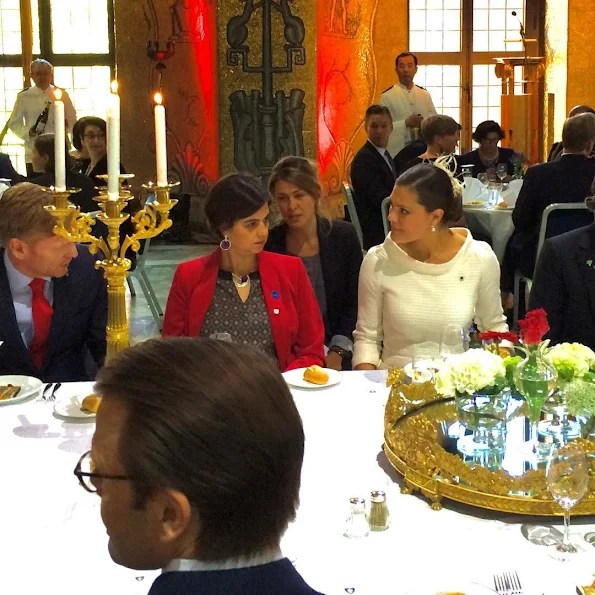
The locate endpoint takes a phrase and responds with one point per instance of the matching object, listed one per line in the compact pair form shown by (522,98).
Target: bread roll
(315,375)
(91,403)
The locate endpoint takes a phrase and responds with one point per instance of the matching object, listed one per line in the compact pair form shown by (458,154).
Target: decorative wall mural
(267,123)
(344,18)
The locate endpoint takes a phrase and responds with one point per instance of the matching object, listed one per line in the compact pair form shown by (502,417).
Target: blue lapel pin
(275,295)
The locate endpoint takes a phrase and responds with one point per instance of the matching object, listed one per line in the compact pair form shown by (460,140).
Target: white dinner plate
(408,369)
(446,586)
(295,378)
(29,387)
(71,407)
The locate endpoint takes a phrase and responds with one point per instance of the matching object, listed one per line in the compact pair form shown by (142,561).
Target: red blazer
(296,324)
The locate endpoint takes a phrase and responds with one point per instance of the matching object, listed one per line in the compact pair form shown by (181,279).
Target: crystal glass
(501,171)
(493,195)
(567,476)
(483,178)
(466,171)
(357,524)
(535,378)
(454,339)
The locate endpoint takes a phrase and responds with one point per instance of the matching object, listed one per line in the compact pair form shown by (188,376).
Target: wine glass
(501,171)
(454,340)
(567,476)
(483,178)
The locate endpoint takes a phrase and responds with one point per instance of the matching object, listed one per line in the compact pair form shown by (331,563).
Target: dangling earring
(225,244)
(433,229)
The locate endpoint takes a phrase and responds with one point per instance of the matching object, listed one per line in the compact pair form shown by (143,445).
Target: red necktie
(42,321)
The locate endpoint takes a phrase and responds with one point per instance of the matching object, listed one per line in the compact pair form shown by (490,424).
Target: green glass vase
(535,379)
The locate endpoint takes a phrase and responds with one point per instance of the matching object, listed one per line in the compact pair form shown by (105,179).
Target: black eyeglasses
(84,471)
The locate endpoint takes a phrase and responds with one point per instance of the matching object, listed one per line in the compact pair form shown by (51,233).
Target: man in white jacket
(32,114)
(408,103)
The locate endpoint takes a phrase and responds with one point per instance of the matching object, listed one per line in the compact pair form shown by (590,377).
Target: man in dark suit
(53,302)
(558,147)
(197,458)
(564,286)
(373,174)
(567,179)
(7,170)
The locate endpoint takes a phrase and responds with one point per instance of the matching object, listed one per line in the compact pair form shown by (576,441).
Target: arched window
(77,37)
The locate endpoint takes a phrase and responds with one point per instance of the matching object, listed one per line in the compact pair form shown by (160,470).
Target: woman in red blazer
(239,291)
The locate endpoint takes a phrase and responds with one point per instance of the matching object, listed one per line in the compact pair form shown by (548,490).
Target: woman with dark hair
(488,155)
(92,135)
(330,252)
(425,276)
(242,294)
(441,135)
(79,153)
(43,163)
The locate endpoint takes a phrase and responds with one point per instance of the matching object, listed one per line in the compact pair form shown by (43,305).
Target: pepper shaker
(379,518)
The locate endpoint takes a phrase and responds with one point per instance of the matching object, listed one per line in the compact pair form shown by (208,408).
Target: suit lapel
(387,167)
(584,255)
(273,298)
(9,328)
(65,301)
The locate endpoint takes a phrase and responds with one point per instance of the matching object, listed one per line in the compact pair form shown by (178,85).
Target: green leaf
(590,262)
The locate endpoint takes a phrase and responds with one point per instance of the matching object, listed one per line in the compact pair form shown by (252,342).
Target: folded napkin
(474,190)
(512,192)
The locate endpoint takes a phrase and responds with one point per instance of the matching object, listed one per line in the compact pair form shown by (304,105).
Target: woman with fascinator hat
(239,292)
(424,276)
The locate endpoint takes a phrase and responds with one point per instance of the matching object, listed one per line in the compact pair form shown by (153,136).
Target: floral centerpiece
(519,166)
(477,380)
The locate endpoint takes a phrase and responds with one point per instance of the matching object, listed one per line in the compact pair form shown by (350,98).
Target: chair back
(561,217)
(385,208)
(351,209)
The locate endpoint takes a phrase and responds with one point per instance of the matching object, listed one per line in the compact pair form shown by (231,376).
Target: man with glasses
(197,458)
(32,114)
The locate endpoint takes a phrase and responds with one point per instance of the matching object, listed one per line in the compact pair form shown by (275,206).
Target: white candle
(160,141)
(59,143)
(113,143)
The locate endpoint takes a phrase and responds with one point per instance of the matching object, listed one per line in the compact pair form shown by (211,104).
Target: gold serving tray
(416,447)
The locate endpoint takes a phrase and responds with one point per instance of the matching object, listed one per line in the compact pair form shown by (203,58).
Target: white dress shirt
(22,298)
(404,303)
(29,104)
(185,565)
(402,103)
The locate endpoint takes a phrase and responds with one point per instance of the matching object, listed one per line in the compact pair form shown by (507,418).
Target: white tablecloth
(496,222)
(53,540)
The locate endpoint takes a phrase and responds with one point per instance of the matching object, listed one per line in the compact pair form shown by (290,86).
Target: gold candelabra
(148,223)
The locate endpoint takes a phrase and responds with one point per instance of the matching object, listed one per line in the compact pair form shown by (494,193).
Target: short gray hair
(579,132)
(41,62)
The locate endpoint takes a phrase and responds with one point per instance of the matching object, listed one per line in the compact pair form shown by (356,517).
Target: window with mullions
(77,37)
(456,42)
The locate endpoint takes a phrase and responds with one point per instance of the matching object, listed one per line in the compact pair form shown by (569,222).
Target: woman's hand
(365,367)
(334,361)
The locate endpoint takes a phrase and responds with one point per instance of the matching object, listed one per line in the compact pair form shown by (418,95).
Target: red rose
(534,326)
(495,336)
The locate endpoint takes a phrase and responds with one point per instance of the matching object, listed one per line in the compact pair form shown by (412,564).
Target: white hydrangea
(573,355)
(469,372)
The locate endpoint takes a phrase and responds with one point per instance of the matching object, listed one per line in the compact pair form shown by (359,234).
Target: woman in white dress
(424,276)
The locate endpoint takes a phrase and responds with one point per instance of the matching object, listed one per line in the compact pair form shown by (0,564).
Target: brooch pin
(276,311)
(275,295)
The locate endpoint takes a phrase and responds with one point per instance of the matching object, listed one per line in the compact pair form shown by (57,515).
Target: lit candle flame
(158,98)
(58,94)
(114,86)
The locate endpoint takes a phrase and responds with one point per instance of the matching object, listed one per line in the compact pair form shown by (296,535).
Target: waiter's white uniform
(402,103)
(29,105)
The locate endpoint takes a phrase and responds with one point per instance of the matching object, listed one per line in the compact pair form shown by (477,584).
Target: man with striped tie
(53,302)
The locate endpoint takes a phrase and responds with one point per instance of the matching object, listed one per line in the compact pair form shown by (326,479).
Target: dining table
(496,222)
(53,539)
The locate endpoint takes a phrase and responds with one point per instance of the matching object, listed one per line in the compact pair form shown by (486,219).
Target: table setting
(54,537)
(491,204)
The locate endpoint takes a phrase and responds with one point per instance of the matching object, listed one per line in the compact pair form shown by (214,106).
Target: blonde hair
(22,213)
(299,171)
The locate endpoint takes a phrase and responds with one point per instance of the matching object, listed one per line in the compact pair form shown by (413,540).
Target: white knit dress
(404,303)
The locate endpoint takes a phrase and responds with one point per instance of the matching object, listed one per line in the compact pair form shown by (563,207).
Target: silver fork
(52,396)
(47,391)
(508,583)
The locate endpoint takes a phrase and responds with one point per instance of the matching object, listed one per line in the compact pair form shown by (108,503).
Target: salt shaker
(379,518)
(357,524)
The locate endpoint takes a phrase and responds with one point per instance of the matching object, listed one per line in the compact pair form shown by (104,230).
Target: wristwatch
(342,352)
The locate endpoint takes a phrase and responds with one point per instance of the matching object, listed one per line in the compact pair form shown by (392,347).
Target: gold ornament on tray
(415,446)
(76,227)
